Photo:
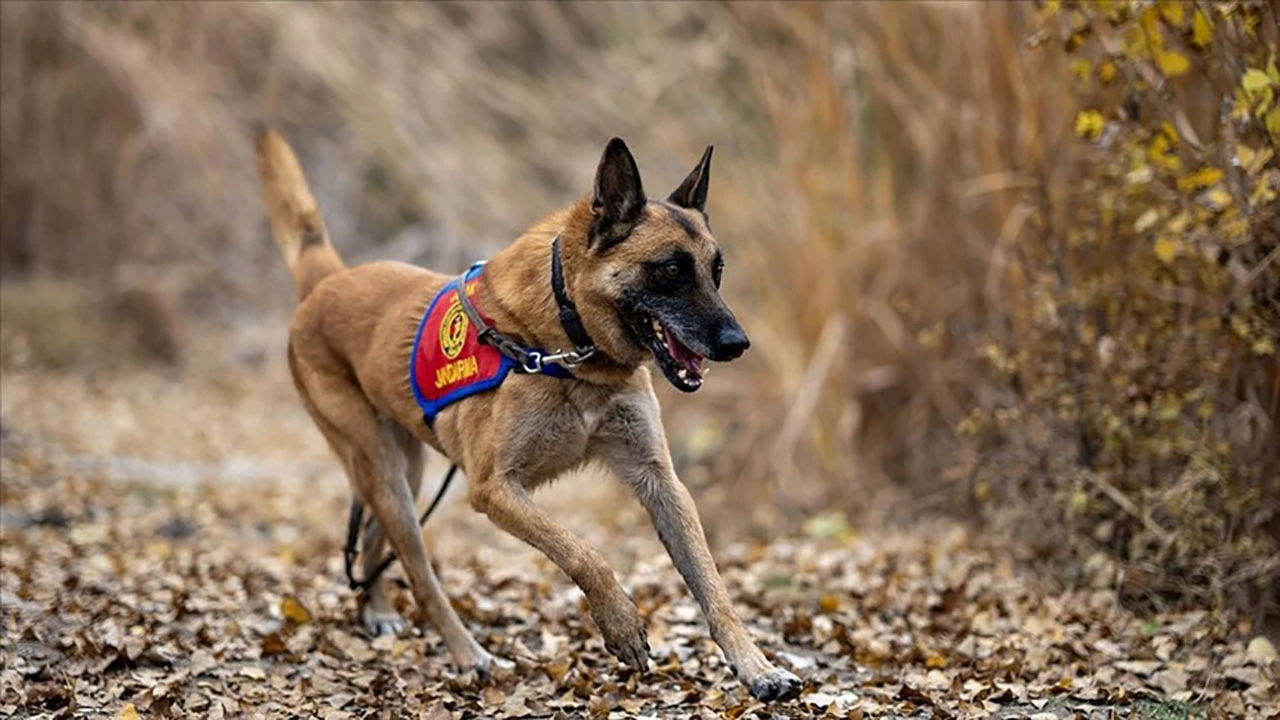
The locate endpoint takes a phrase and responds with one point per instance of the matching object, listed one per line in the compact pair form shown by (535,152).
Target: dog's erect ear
(692,193)
(619,197)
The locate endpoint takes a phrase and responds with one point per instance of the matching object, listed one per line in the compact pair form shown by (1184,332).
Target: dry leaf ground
(173,549)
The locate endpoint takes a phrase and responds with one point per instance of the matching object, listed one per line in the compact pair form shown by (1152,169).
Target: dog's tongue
(687,358)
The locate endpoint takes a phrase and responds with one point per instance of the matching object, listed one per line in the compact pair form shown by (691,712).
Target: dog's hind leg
(376,465)
(376,611)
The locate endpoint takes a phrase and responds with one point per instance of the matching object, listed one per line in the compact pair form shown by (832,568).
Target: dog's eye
(717,270)
(672,273)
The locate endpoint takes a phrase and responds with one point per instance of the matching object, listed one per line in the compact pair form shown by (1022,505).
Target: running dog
(520,370)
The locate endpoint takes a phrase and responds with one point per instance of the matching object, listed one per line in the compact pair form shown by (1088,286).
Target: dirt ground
(173,549)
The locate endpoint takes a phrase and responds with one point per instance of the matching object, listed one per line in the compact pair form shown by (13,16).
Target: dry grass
(879,168)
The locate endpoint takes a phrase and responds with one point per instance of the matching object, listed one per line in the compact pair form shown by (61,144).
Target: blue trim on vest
(432,408)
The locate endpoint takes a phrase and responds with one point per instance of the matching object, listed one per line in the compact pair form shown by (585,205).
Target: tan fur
(349,352)
(294,214)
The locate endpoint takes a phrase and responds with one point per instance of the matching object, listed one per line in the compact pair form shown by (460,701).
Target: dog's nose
(731,343)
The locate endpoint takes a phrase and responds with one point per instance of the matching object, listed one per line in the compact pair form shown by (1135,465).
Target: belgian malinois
(618,278)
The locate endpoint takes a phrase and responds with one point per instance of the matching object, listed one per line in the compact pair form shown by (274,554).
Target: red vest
(449,361)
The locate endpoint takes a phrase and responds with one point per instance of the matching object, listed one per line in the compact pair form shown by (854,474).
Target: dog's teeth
(682,374)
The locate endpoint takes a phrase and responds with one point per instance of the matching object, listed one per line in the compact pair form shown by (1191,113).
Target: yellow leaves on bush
(1081,69)
(1201,30)
(999,359)
(1161,152)
(1173,12)
(1252,332)
(1114,10)
(931,337)
(1146,220)
(1265,190)
(1166,249)
(1254,80)
(1256,96)
(1157,187)
(1253,161)
(1200,179)
(1089,124)
(1233,226)
(1167,407)
(1077,503)
(1107,72)
(1172,63)
(1263,346)
(1149,28)
(1145,39)
(1218,198)
(982,491)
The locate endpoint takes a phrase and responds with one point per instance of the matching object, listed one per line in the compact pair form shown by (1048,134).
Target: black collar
(570,320)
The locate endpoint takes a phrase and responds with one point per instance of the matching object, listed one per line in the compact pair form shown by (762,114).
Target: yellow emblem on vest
(453,331)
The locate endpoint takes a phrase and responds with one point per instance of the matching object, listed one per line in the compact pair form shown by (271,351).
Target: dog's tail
(294,214)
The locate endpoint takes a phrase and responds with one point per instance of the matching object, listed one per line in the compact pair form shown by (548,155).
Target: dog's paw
(625,637)
(483,668)
(382,622)
(482,665)
(774,684)
(491,667)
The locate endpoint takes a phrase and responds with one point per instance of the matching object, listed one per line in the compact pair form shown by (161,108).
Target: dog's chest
(560,440)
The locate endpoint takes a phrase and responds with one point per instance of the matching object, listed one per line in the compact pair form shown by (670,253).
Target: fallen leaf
(273,645)
(1141,668)
(294,611)
(1260,651)
(1170,681)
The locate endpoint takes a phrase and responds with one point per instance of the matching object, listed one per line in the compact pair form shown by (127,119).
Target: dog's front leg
(633,444)
(509,506)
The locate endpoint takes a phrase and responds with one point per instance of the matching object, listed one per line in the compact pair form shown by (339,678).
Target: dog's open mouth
(682,366)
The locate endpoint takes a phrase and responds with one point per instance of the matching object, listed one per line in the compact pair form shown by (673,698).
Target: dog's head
(651,273)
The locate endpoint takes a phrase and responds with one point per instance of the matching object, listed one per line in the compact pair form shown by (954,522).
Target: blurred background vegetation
(1011,262)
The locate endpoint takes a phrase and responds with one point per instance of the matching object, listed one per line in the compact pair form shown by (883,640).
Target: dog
(607,284)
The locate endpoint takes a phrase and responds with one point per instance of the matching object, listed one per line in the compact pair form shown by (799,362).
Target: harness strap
(353,536)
